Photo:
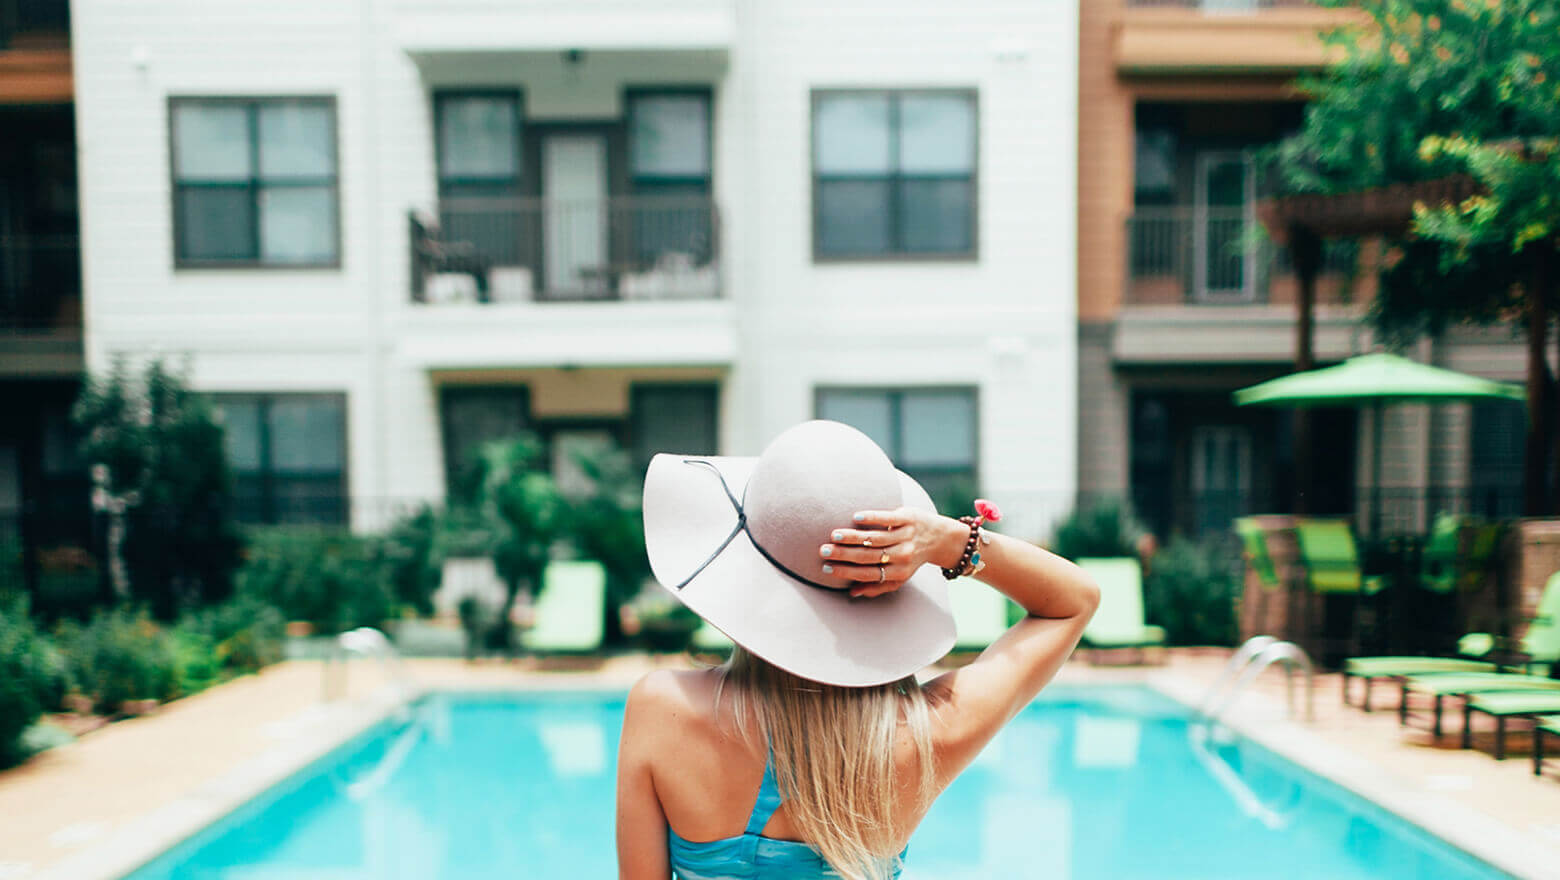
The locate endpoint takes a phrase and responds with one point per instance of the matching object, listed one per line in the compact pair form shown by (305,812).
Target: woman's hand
(883,548)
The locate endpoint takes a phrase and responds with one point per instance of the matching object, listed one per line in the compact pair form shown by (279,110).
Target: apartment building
(1182,299)
(385,231)
(45,516)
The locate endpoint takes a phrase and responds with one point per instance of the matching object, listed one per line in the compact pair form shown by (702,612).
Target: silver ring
(866,542)
(882,574)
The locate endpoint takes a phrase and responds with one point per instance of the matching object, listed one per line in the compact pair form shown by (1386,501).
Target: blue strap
(768,799)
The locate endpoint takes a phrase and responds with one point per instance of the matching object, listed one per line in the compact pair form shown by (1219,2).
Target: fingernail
(859,517)
(828,550)
(828,569)
(839,536)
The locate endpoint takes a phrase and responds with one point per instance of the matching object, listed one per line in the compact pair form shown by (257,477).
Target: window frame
(267,474)
(521,391)
(255,183)
(896,395)
(525,177)
(632,93)
(895,178)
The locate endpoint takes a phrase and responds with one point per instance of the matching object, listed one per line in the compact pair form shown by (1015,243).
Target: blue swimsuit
(751,856)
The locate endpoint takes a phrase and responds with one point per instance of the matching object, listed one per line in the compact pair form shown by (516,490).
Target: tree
(157,455)
(1433,88)
(607,523)
(523,514)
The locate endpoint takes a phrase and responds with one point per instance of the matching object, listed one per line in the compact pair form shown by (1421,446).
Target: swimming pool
(1104,782)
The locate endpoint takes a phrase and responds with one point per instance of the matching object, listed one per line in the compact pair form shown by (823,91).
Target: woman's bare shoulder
(687,694)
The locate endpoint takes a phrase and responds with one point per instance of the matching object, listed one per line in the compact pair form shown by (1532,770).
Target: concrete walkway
(129,790)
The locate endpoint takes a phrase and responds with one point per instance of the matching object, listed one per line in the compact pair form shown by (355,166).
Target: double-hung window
(481,174)
(669,173)
(255,181)
(288,455)
(929,433)
(894,174)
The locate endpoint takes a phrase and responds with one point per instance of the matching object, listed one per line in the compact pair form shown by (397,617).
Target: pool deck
(121,794)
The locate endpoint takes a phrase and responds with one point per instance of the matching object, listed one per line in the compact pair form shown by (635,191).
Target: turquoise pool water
(1112,783)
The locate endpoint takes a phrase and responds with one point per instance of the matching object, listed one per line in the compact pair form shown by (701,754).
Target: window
(669,173)
(674,418)
(930,433)
(479,144)
(473,417)
(254,181)
(288,456)
(893,174)
(1497,440)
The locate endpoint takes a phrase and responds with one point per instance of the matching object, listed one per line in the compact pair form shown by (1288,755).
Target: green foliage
(1430,89)
(31,678)
(159,449)
(607,525)
(329,577)
(408,553)
(1190,590)
(245,634)
(1105,529)
(119,655)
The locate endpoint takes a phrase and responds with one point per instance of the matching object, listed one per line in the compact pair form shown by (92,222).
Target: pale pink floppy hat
(737,540)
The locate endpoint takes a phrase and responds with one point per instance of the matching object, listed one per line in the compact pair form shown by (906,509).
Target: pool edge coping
(1258,718)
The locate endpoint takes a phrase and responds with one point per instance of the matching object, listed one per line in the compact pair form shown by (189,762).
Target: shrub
(1190,590)
(1106,529)
(31,678)
(119,655)
(407,552)
(241,635)
(330,578)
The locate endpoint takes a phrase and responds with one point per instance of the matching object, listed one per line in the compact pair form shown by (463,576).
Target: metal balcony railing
(516,250)
(40,283)
(1214,256)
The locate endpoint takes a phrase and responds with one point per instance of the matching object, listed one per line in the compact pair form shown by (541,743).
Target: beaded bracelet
(969,561)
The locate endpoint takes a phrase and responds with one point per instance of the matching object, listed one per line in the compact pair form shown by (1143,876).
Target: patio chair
(1330,566)
(1507,705)
(1118,623)
(1441,559)
(569,609)
(1543,725)
(1469,686)
(980,614)
(1254,546)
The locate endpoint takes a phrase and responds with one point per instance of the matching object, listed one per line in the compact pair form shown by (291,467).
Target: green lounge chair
(1468,686)
(1253,541)
(1507,705)
(709,640)
(1118,623)
(1332,563)
(1542,725)
(1369,669)
(569,609)
(1441,559)
(980,614)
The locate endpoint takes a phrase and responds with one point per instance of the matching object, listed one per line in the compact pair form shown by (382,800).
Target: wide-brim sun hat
(737,540)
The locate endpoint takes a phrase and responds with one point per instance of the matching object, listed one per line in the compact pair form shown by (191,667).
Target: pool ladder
(1248,661)
(365,641)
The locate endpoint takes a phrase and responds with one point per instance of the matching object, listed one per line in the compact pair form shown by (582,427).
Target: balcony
(620,281)
(40,305)
(1179,37)
(1203,279)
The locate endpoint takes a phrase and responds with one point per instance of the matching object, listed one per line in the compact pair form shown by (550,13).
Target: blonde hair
(833,752)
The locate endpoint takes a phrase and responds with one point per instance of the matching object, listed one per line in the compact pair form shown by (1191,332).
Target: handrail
(1230,780)
(1292,656)
(1238,661)
(365,641)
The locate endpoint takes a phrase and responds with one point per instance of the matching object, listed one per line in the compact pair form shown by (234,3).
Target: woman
(814,752)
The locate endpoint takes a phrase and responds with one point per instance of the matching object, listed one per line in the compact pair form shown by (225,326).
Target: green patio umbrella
(1375,380)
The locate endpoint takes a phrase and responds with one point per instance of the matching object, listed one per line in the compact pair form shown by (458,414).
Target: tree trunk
(1535,479)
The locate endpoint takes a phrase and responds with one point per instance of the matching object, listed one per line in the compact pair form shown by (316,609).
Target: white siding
(1004,322)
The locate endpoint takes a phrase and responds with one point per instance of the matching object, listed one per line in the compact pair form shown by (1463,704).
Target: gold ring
(884,559)
(882,574)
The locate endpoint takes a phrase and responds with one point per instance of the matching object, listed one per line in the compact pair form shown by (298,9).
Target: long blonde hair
(833,751)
